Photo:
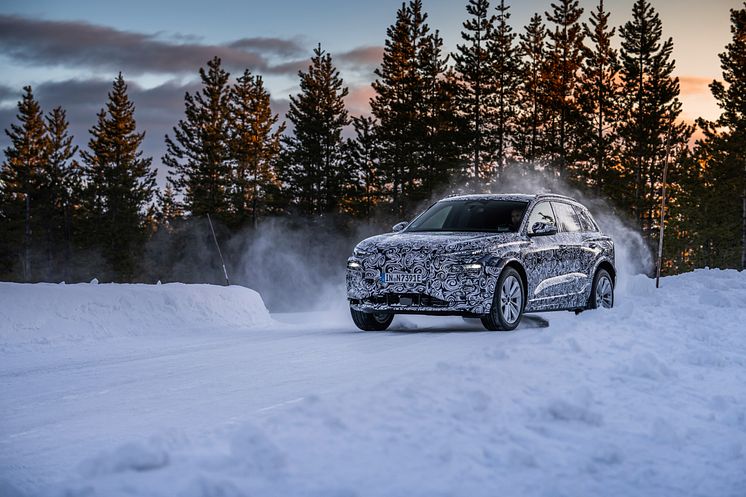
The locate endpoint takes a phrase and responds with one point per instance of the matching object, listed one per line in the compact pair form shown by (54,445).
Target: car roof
(525,197)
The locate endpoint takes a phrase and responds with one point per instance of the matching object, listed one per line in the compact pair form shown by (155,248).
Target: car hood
(437,242)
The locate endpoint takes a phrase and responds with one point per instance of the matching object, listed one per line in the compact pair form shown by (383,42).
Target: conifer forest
(569,98)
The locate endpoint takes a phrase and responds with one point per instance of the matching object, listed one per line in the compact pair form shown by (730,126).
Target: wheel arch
(609,267)
(515,264)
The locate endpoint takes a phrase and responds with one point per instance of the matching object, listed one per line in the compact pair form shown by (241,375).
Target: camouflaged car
(488,256)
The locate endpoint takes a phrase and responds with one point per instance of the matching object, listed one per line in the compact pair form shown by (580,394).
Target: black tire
(507,309)
(602,291)
(370,321)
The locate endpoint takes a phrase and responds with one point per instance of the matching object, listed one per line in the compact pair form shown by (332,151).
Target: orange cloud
(358,100)
(694,85)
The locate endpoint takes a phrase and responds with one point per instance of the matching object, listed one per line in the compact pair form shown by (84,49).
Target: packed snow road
(99,395)
(62,404)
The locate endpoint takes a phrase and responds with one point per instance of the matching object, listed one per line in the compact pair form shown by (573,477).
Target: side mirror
(399,226)
(542,229)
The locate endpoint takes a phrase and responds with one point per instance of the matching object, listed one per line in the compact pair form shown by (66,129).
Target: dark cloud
(362,57)
(81,44)
(279,46)
(7,116)
(357,59)
(293,66)
(7,93)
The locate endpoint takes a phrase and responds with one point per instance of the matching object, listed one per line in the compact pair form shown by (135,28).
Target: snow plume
(633,255)
(299,263)
(295,263)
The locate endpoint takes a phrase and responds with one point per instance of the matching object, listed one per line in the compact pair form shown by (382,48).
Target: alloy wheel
(511,299)
(604,292)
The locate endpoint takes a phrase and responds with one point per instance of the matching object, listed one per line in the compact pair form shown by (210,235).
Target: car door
(541,259)
(572,257)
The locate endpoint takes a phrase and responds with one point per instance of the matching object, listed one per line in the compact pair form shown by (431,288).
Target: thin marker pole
(215,238)
(663,214)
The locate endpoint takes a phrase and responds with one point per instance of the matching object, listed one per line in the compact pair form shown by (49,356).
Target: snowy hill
(46,313)
(644,399)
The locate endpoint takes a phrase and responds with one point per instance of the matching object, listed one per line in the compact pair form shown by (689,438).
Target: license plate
(402,278)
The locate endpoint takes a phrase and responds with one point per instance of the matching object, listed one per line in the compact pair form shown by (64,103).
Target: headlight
(473,268)
(468,253)
(354,265)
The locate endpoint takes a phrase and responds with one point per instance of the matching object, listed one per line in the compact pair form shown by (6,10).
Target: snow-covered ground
(181,390)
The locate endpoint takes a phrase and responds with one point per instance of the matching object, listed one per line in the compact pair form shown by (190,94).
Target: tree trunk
(27,239)
(478,126)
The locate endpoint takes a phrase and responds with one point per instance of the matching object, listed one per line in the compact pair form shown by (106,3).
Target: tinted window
(542,213)
(586,221)
(471,215)
(566,217)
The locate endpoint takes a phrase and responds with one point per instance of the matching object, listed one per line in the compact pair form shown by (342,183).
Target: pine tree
(564,60)
(506,68)
(63,192)
(254,146)
(599,102)
(476,73)
(314,166)
(364,156)
(120,183)
(20,179)
(529,142)
(651,110)
(415,108)
(721,230)
(170,210)
(394,105)
(199,155)
(440,129)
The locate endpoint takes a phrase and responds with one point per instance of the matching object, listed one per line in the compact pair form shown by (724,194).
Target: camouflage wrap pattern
(559,269)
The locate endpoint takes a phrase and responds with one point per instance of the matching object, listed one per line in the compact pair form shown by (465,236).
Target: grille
(407,299)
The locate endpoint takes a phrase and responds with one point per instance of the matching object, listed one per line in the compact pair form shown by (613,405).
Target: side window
(586,221)
(542,213)
(568,221)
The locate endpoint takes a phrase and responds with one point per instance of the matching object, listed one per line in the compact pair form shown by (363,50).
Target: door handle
(591,245)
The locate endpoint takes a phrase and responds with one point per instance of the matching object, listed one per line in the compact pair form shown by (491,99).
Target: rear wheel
(371,321)
(602,292)
(508,303)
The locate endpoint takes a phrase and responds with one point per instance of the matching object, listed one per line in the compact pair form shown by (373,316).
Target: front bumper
(446,288)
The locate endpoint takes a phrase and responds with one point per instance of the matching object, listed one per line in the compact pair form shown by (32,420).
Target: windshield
(501,216)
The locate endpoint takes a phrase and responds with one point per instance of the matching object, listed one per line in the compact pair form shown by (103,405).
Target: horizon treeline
(554,98)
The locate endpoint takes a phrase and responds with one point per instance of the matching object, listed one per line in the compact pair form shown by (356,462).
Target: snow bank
(44,313)
(644,399)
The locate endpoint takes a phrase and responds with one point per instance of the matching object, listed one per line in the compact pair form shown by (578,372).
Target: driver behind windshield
(516,215)
(496,216)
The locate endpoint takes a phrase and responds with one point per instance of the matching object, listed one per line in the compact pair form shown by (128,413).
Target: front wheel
(507,305)
(602,291)
(371,321)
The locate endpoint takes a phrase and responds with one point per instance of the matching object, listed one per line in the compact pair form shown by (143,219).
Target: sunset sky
(70,51)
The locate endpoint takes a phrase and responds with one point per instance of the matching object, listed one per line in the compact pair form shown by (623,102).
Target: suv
(488,256)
